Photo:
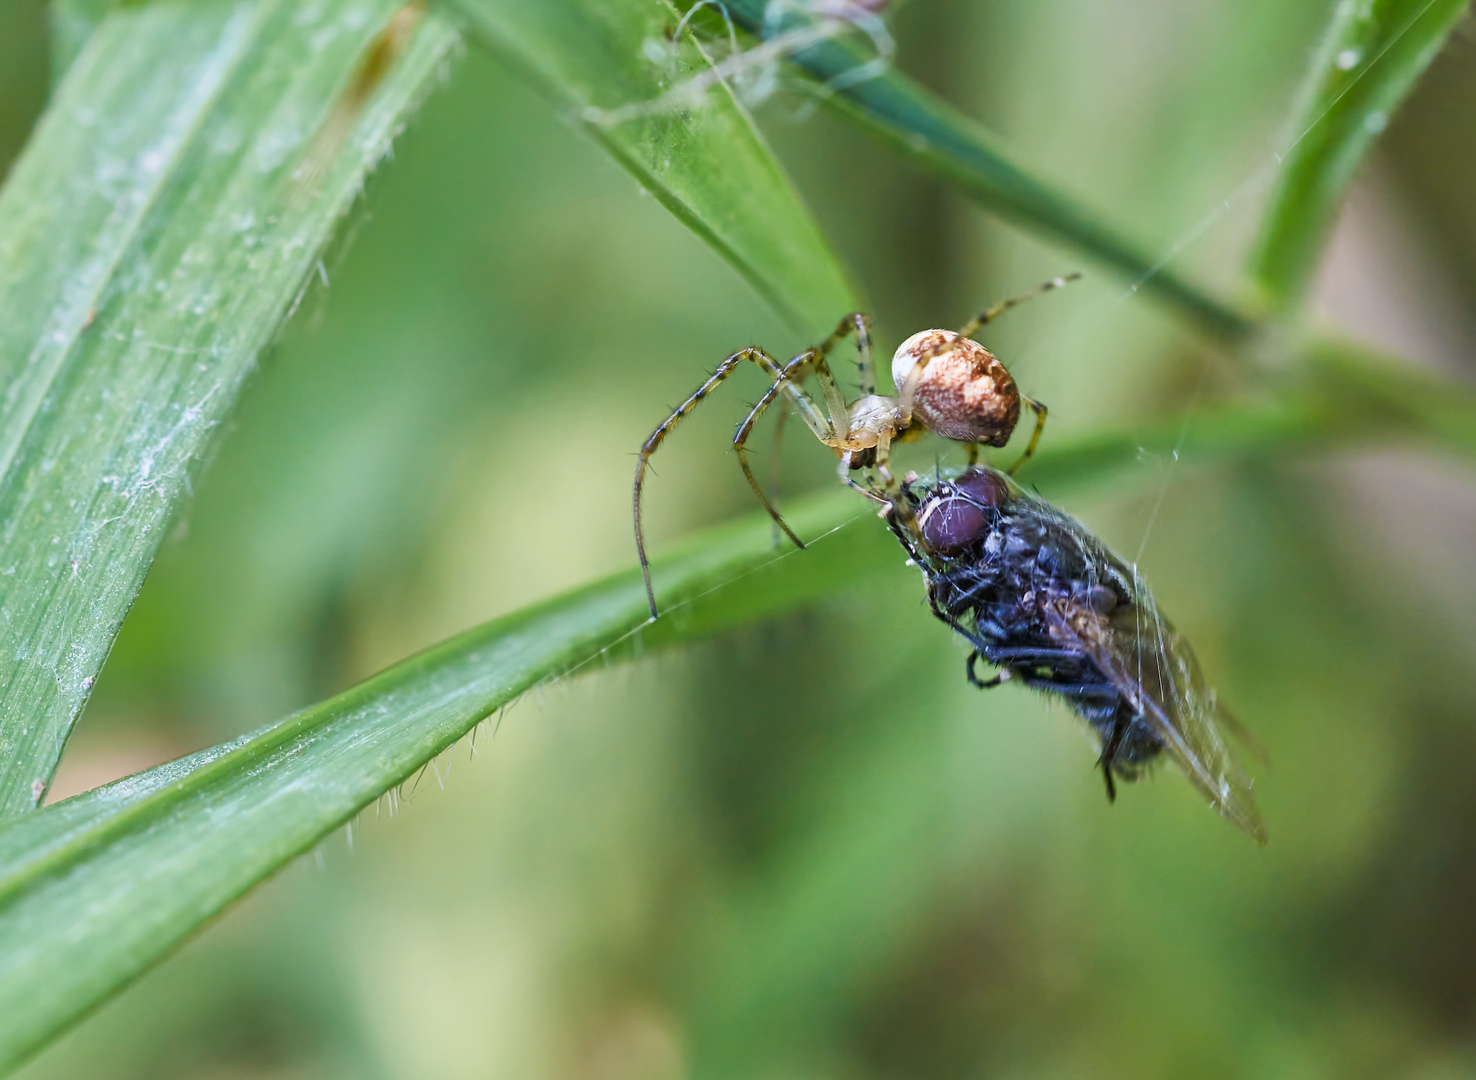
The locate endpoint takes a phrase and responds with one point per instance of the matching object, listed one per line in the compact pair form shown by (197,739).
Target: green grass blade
(105,884)
(96,889)
(1338,394)
(1369,60)
(1388,394)
(152,240)
(707,165)
(922,127)
(72,23)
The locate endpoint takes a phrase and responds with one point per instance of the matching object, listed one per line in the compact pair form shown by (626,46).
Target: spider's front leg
(847,466)
(859,323)
(787,382)
(881,486)
(807,409)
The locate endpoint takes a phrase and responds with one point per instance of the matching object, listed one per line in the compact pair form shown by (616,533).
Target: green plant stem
(1392,396)
(927,130)
(1339,395)
(1371,56)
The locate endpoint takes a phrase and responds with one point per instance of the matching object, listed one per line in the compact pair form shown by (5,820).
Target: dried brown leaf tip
(374,66)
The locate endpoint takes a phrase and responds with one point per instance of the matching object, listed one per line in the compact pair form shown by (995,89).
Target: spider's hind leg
(984,318)
(1040,418)
(914,377)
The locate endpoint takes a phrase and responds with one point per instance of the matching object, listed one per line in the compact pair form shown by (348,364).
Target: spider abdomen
(964,394)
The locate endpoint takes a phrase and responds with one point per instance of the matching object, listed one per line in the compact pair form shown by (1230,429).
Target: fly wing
(1145,658)
(1154,667)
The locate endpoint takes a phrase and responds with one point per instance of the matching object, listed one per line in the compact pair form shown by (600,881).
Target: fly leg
(1109,755)
(974,676)
(1084,692)
(1029,655)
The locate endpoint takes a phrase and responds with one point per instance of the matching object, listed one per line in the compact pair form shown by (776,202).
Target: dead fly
(1038,596)
(1032,590)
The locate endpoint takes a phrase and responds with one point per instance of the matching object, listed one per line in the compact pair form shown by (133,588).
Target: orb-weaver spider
(946,383)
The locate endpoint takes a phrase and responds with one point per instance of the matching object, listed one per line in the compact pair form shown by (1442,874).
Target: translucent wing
(1154,667)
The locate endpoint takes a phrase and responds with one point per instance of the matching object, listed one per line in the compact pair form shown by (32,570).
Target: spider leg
(865,366)
(775,459)
(989,315)
(785,381)
(897,506)
(790,378)
(844,469)
(881,486)
(801,401)
(1040,419)
(835,400)
(883,467)
(859,323)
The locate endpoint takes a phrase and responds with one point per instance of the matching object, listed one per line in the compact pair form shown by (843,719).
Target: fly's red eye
(957,515)
(984,488)
(950,523)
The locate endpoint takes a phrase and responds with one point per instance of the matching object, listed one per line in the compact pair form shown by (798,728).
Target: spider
(946,382)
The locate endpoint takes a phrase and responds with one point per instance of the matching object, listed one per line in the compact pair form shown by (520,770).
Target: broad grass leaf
(154,235)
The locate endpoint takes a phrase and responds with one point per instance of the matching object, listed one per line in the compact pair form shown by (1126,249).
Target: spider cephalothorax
(946,383)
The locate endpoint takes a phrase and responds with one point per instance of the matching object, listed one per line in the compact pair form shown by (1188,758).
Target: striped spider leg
(829,424)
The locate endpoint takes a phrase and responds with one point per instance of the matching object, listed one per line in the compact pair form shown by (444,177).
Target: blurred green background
(809,849)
